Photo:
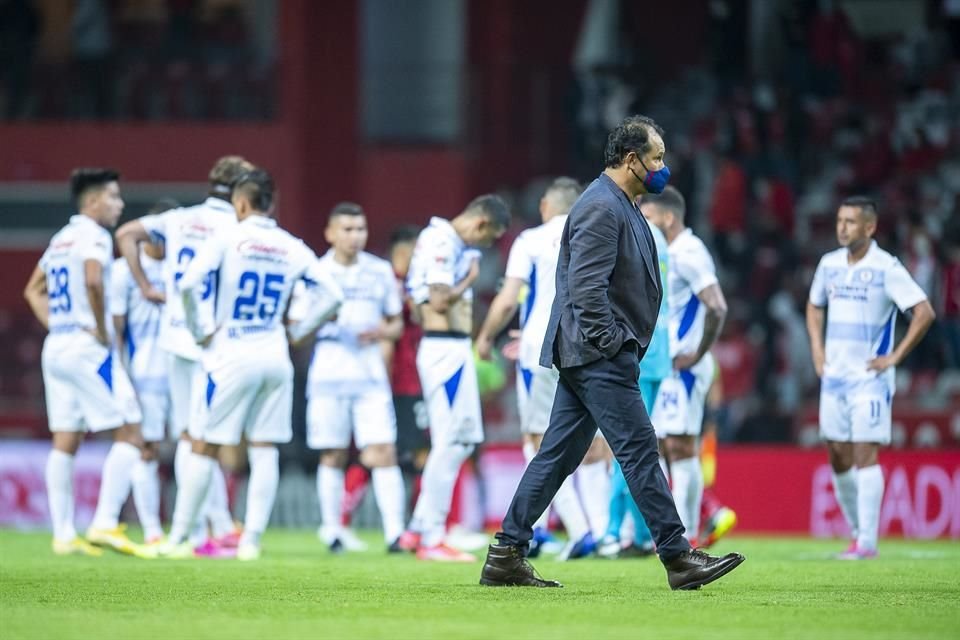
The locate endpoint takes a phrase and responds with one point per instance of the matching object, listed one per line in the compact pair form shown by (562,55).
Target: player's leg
(328,430)
(182,375)
(871,426)
(116,479)
(835,430)
(67,429)
(593,479)
(376,434)
(449,380)
(146,481)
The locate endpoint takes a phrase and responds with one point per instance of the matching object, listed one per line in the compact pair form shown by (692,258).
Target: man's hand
(370,336)
(100,336)
(818,360)
(684,361)
(881,363)
(511,350)
(153,295)
(484,346)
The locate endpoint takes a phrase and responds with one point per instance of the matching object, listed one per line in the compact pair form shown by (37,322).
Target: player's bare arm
(35,294)
(502,310)
(815,319)
(922,317)
(446,310)
(389,331)
(716,313)
(93,274)
(129,236)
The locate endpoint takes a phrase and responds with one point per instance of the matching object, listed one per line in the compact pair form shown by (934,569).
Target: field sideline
(787,588)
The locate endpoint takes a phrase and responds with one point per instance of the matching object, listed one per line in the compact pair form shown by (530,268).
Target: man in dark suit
(608,295)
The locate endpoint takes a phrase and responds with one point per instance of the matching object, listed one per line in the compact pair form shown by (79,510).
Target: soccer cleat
(230,540)
(443,553)
(854,552)
(117,540)
(394,547)
(540,537)
(351,542)
(76,547)
(179,551)
(211,548)
(608,547)
(248,552)
(644,550)
(848,553)
(154,541)
(578,549)
(720,523)
(336,546)
(409,541)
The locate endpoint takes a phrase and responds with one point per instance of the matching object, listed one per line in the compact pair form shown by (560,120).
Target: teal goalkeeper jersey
(656,364)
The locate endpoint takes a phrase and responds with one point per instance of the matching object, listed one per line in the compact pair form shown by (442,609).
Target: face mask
(656,181)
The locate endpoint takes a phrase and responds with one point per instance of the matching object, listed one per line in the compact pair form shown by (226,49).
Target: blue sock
(619,495)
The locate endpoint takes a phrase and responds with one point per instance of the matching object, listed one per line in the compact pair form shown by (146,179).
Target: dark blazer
(608,281)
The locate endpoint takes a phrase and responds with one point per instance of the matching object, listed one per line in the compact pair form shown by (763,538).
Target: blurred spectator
(19,30)
(93,78)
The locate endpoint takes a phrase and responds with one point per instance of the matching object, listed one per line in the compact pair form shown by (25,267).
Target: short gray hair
(564,191)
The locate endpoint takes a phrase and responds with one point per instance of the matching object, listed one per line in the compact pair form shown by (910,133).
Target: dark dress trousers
(608,295)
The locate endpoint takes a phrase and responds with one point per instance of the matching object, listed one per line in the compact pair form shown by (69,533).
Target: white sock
(436,491)
(198,533)
(191,495)
(568,506)
(261,492)
(217,508)
(687,479)
(115,483)
(146,497)
(59,474)
(845,488)
(391,495)
(869,498)
(330,490)
(529,452)
(593,480)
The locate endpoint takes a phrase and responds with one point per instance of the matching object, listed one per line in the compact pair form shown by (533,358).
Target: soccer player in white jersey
(136,322)
(442,272)
(246,361)
(532,263)
(86,389)
(183,232)
(348,391)
(697,312)
(859,288)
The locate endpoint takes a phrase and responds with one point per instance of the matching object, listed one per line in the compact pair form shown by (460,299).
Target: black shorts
(412,424)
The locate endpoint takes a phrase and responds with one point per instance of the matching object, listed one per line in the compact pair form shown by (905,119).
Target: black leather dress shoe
(506,567)
(692,569)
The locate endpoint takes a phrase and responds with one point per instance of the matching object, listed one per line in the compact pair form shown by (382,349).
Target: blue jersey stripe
(887,339)
(689,315)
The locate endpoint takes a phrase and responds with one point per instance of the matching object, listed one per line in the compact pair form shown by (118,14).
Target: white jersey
(439,257)
(184,231)
(862,301)
(341,365)
(258,264)
(80,240)
(147,362)
(533,259)
(691,271)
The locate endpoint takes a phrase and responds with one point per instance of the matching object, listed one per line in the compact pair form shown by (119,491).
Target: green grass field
(787,588)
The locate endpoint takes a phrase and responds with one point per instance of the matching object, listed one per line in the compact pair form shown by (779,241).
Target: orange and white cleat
(443,553)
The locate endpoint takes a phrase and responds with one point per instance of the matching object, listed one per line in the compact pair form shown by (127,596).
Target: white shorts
(156,411)
(678,409)
(857,412)
(369,417)
(187,382)
(536,388)
(252,397)
(448,377)
(86,388)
